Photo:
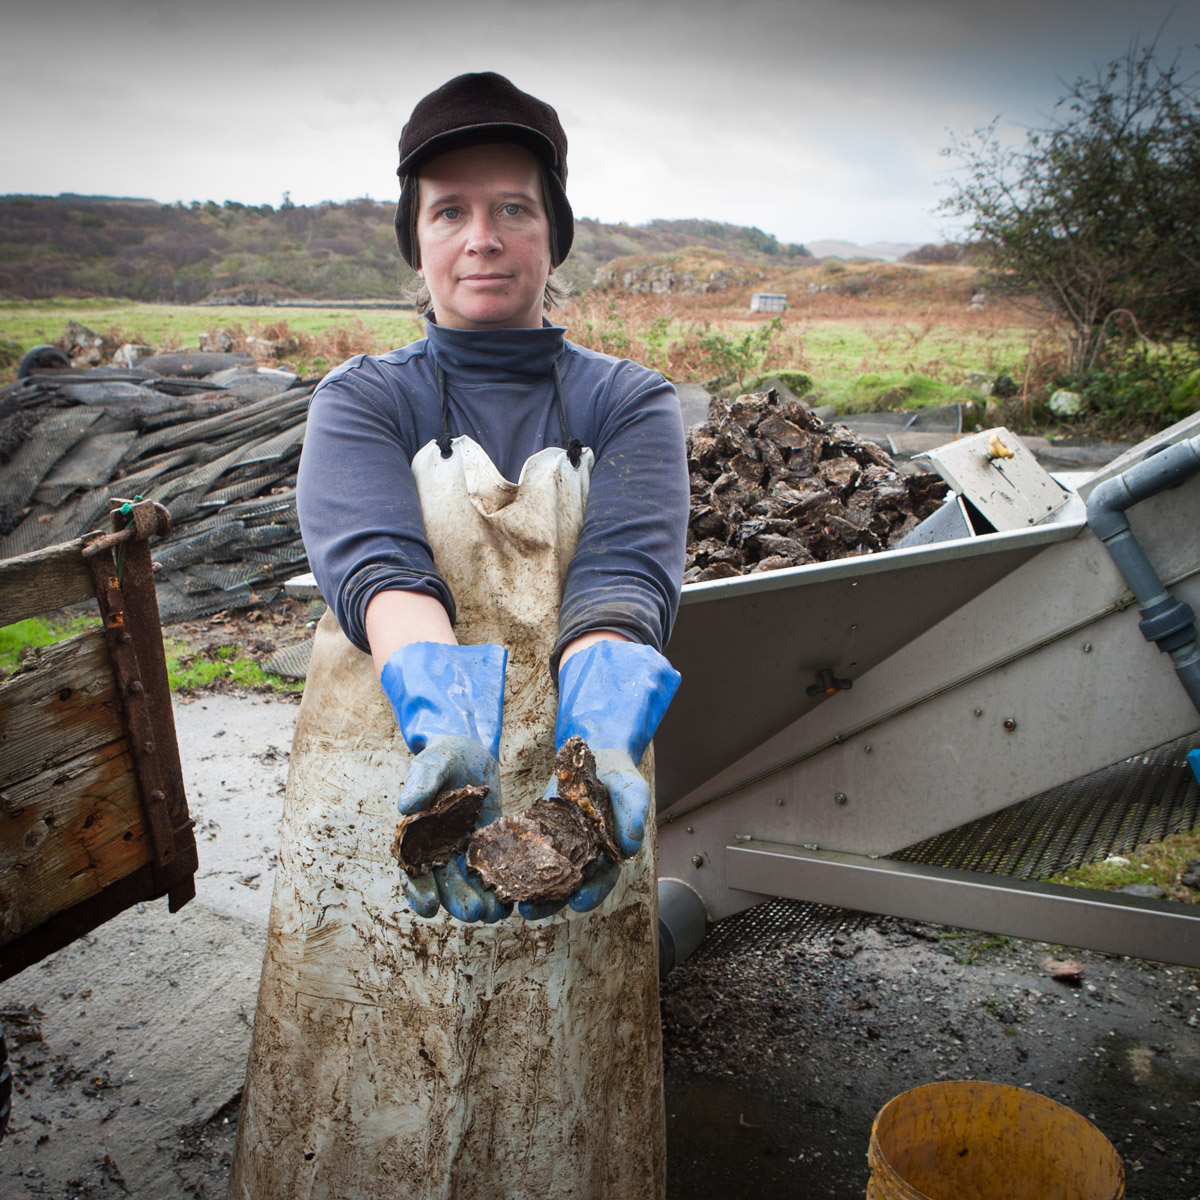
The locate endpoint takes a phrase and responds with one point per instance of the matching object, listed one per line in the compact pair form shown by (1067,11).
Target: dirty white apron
(398,1058)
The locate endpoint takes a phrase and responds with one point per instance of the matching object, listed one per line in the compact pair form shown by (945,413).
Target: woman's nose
(482,237)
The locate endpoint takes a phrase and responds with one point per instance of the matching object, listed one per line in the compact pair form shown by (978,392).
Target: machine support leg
(1164,930)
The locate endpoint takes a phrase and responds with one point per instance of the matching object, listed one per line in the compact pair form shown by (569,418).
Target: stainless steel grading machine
(926,731)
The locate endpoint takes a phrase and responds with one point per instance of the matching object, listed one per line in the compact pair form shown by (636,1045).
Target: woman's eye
(451,214)
(513,210)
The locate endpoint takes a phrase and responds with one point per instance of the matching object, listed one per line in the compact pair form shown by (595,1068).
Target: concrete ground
(129,1042)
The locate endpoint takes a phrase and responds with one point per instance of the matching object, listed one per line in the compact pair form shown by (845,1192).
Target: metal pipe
(1166,621)
(682,923)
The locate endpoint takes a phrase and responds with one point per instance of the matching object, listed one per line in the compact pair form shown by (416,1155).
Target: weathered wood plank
(66,834)
(32,584)
(60,705)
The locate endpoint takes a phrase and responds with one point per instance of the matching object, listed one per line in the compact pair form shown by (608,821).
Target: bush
(931,255)
(1141,388)
(734,359)
(800,382)
(1096,220)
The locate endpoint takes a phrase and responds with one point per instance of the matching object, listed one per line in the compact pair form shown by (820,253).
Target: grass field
(173,326)
(905,337)
(318,332)
(859,351)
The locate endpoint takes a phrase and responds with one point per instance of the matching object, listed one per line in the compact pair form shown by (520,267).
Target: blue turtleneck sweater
(358,505)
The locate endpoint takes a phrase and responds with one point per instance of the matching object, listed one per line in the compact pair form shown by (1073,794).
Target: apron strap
(443,441)
(574,446)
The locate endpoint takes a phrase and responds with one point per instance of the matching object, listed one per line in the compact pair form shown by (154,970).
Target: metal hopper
(838,719)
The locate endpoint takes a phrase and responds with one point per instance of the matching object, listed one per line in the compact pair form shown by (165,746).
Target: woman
(415,1037)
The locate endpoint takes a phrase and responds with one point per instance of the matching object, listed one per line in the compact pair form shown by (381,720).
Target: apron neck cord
(443,442)
(574,445)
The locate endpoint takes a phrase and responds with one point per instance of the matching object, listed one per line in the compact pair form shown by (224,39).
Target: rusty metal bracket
(124,587)
(147,519)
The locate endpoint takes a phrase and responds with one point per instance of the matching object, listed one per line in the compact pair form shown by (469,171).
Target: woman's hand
(449,703)
(612,693)
(452,762)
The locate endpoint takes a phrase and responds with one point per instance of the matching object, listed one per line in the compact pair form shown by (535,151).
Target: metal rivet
(148,747)
(697,861)
(127,637)
(840,798)
(779,801)
(853,628)
(157,796)
(742,837)
(1087,647)
(979,712)
(868,748)
(1010,723)
(136,686)
(689,829)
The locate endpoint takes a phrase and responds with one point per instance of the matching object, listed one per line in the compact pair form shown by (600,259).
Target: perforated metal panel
(291,662)
(1143,799)
(55,434)
(89,464)
(778,923)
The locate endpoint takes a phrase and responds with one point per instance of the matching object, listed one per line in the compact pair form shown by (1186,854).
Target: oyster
(427,839)
(546,853)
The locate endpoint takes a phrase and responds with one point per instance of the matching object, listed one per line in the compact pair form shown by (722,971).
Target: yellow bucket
(971,1140)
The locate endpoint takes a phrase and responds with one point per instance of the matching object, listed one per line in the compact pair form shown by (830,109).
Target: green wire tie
(126,510)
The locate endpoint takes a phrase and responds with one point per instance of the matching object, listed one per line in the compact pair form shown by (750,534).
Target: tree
(1096,219)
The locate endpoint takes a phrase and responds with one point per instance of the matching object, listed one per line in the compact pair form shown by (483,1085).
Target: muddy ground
(784,1035)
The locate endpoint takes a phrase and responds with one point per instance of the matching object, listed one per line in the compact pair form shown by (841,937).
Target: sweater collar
(496,353)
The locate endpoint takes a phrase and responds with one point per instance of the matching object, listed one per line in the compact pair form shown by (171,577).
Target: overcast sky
(811,119)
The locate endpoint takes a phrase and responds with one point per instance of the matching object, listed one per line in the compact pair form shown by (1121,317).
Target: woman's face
(484,237)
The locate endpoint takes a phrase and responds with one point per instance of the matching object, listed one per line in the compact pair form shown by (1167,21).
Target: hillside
(141,250)
(235,253)
(887,251)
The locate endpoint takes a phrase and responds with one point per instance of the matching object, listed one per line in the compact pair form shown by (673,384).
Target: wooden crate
(93,816)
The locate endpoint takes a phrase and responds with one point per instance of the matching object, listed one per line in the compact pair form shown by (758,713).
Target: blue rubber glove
(613,695)
(449,704)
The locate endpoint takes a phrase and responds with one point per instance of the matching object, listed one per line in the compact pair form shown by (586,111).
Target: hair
(557,292)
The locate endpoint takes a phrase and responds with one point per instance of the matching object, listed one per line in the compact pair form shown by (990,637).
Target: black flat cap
(484,107)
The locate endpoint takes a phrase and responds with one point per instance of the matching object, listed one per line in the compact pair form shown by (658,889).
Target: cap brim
(470,135)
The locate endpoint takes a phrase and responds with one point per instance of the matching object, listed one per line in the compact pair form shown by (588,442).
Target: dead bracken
(774,486)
